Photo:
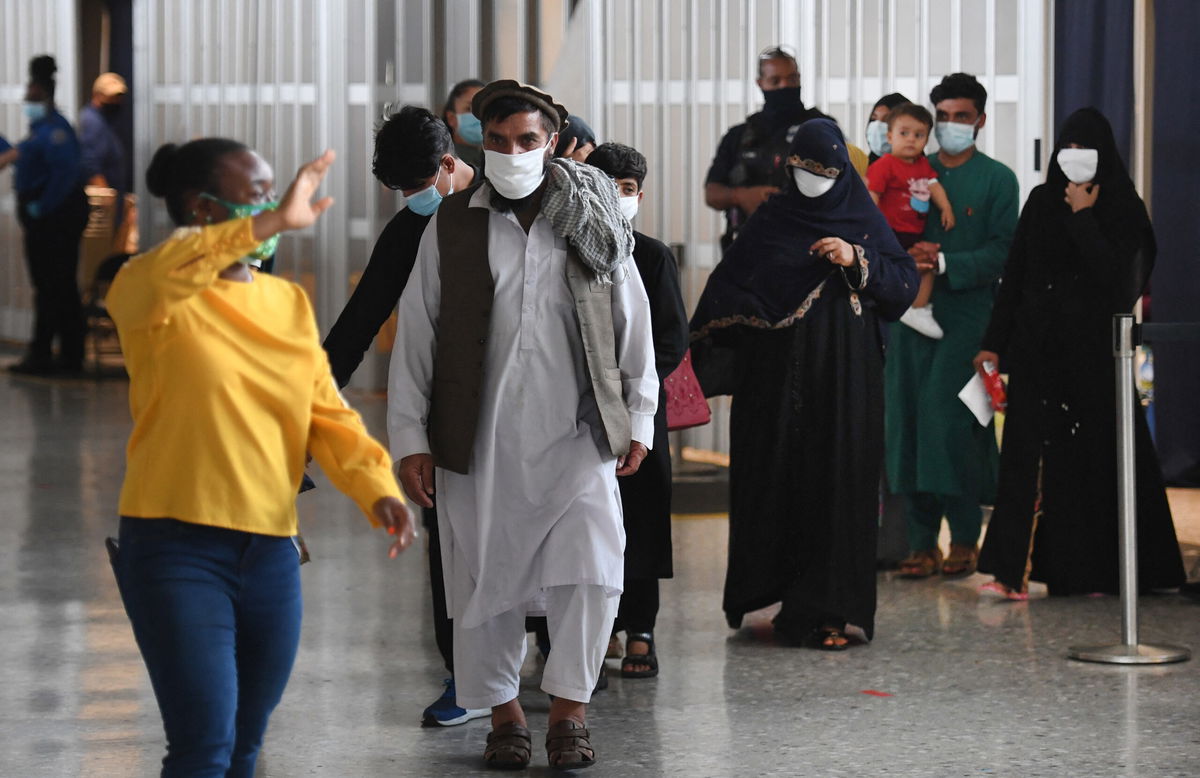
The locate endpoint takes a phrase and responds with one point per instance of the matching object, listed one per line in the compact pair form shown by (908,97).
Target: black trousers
(52,253)
(443,630)
(638,611)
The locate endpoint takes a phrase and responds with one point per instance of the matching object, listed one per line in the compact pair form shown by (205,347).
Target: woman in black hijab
(1083,250)
(789,324)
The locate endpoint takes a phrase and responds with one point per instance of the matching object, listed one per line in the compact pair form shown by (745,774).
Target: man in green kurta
(938,456)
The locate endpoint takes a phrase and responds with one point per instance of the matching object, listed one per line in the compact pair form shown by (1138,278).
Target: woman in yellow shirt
(229,387)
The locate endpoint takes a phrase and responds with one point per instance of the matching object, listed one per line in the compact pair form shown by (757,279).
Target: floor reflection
(953,684)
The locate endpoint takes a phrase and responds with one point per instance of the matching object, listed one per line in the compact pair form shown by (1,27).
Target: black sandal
(569,746)
(650,658)
(825,639)
(509,747)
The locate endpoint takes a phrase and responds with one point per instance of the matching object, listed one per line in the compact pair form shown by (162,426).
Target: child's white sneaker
(921,320)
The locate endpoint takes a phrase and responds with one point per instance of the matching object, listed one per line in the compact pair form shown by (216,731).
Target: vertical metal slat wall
(27,28)
(670,77)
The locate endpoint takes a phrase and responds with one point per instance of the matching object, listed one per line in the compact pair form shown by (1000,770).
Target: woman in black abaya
(1083,251)
(789,325)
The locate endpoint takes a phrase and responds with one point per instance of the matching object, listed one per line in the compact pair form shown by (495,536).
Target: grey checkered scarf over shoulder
(581,203)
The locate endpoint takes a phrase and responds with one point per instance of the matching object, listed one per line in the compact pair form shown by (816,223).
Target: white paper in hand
(975,397)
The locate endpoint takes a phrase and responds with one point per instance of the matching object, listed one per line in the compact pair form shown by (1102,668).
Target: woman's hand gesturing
(296,210)
(397,519)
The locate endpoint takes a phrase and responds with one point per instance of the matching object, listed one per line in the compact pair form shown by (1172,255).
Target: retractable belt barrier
(1126,337)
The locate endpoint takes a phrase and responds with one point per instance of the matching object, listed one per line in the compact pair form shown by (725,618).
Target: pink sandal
(995,587)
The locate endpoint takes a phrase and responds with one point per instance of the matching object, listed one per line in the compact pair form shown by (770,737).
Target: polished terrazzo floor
(954,685)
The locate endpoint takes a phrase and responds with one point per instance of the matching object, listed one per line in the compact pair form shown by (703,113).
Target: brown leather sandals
(961,561)
(509,747)
(568,746)
(921,564)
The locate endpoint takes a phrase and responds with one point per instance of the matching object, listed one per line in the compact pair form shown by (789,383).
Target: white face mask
(955,138)
(1079,165)
(810,184)
(629,206)
(877,137)
(515,176)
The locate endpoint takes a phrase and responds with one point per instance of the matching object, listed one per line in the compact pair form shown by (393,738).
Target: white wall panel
(289,78)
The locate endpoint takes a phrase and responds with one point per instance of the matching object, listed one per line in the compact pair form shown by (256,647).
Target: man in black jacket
(414,153)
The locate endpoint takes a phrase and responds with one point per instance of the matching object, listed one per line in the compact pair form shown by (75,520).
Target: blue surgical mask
(264,250)
(955,138)
(34,112)
(877,137)
(469,128)
(426,201)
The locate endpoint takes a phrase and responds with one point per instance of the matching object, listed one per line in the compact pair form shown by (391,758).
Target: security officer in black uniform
(751,162)
(53,212)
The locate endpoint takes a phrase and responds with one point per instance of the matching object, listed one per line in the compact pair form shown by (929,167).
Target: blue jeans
(216,614)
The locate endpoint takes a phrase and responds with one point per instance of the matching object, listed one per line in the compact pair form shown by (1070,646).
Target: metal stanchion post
(1129,651)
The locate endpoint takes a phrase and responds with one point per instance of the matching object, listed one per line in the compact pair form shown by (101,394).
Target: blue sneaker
(444,712)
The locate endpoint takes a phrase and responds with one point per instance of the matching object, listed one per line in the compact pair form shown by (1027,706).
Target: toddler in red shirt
(902,183)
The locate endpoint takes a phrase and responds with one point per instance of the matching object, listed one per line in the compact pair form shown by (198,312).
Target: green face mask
(264,250)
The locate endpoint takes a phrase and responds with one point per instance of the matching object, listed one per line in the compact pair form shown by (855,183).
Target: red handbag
(686,406)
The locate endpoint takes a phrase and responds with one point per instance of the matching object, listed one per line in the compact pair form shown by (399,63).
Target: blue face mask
(264,250)
(34,112)
(470,129)
(955,138)
(426,201)
(877,137)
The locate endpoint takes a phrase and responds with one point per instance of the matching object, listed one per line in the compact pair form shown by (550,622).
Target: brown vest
(468,292)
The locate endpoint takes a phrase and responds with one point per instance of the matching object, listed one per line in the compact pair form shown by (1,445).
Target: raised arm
(888,278)
(1115,262)
(148,286)
(188,262)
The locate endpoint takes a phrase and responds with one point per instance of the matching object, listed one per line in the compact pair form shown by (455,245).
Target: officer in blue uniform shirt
(53,211)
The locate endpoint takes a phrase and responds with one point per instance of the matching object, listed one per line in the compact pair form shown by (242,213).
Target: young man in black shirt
(414,153)
(646,495)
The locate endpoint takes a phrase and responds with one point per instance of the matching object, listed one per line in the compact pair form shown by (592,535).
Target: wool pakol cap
(507,87)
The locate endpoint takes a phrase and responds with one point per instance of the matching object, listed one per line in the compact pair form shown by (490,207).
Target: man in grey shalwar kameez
(522,384)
